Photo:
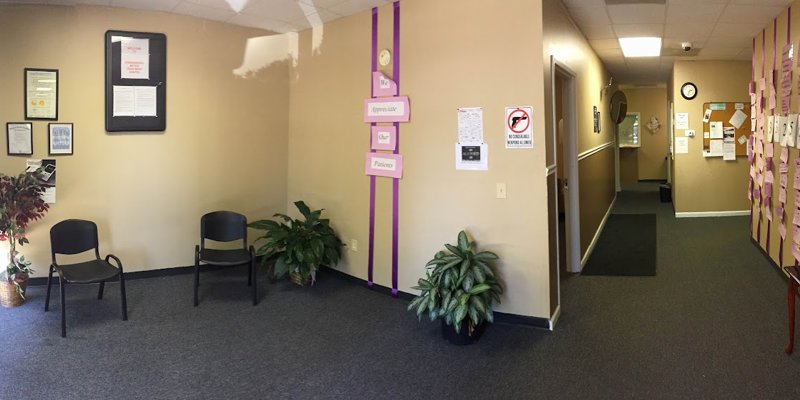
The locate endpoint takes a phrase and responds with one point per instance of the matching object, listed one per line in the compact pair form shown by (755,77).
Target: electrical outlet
(353,244)
(501,190)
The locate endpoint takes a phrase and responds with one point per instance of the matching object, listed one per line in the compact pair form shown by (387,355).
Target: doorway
(562,183)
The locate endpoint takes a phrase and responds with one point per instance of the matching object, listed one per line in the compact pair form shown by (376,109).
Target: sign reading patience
(388,165)
(386,109)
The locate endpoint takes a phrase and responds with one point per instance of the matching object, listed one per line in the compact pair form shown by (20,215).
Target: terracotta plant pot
(9,297)
(298,280)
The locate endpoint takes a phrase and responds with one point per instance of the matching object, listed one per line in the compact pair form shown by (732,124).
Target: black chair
(75,236)
(224,226)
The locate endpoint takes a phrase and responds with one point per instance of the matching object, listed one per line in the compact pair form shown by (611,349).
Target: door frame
(570,164)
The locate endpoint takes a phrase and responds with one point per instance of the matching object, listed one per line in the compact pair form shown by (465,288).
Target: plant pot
(9,297)
(296,278)
(468,334)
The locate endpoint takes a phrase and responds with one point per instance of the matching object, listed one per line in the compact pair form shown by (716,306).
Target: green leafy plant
(20,204)
(298,246)
(459,283)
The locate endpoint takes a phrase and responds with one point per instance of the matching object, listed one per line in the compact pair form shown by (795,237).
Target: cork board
(724,112)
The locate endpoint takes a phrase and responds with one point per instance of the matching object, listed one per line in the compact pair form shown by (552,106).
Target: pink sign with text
(384,137)
(387,109)
(388,165)
(382,86)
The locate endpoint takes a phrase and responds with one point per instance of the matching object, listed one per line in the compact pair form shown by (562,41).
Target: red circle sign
(518,121)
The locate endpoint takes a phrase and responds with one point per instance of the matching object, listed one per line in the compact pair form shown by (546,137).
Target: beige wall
(566,44)
(650,158)
(709,184)
(224,147)
(442,69)
(628,165)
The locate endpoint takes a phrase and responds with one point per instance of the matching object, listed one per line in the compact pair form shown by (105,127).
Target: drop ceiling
(717,29)
(273,15)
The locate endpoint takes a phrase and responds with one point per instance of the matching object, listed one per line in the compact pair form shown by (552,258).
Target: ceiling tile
(730,42)
(598,32)
(314,19)
(590,16)
(637,30)
(609,53)
(688,32)
(351,7)
(604,44)
(719,53)
(637,13)
(158,5)
(693,13)
(740,30)
(199,11)
(255,21)
(279,10)
(759,14)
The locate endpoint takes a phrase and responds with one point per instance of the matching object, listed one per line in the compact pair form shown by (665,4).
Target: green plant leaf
(476,303)
(473,315)
(455,250)
(301,205)
(463,243)
(467,282)
(281,268)
(477,272)
(459,314)
(489,315)
(480,288)
(414,303)
(486,256)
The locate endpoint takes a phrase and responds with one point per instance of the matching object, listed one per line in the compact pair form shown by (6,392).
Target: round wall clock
(689,90)
(385,57)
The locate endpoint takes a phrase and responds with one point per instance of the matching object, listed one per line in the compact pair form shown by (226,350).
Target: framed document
(19,138)
(41,93)
(59,139)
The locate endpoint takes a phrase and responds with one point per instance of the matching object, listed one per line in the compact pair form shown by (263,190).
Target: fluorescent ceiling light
(640,46)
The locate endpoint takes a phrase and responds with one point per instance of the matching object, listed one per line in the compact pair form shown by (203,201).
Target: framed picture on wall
(59,139)
(41,93)
(19,138)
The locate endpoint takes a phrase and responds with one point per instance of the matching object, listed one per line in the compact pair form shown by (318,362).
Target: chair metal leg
(250,273)
(123,296)
(196,280)
(49,284)
(255,281)
(100,292)
(63,307)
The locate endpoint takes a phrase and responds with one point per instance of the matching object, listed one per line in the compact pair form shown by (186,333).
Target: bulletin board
(724,112)
(136,81)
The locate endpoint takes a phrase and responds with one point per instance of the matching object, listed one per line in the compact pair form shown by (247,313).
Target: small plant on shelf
(298,246)
(20,204)
(459,287)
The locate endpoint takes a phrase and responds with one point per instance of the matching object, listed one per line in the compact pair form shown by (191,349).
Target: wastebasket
(665,191)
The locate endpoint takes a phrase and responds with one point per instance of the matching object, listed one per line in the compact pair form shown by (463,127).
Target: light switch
(501,190)
(353,244)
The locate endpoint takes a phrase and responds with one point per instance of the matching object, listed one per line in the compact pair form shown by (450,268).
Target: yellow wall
(650,102)
(709,184)
(566,43)
(442,69)
(224,147)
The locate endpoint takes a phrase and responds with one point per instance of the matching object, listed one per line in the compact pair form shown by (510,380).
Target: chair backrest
(223,226)
(73,236)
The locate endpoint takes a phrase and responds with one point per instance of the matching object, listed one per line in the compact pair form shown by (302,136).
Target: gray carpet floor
(711,325)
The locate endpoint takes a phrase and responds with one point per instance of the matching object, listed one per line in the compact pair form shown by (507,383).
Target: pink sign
(389,165)
(387,109)
(382,86)
(384,137)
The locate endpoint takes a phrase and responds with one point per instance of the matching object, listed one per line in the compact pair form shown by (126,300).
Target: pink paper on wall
(382,86)
(388,165)
(384,137)
(782,230)
(387,109)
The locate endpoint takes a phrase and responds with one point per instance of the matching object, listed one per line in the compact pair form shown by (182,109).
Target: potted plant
(459,287)
(298,246)
(20,204)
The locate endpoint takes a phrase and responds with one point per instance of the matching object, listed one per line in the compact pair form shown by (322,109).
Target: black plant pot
(464,337)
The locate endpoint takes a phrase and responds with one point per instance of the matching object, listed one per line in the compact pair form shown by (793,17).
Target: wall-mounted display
(19,138)
(41,93)
(59,139)
(136,81)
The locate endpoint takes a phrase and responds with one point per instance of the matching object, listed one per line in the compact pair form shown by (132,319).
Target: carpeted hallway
(711,324)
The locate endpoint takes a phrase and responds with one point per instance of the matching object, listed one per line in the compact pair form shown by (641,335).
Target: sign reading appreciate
(386,109)
(388,165)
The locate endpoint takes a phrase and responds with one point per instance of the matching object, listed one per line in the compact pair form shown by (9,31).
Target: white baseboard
(596,237)
(554,319)
(704,214)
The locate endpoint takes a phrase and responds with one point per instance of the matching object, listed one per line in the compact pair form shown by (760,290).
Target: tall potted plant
(459,287)
(298,246)
(20,204)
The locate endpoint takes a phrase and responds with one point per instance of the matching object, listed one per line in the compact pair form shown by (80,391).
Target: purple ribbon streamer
(395,181)
(371,240)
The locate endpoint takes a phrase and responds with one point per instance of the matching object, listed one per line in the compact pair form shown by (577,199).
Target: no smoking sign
(519,127)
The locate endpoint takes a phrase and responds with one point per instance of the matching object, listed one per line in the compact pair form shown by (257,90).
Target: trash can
(665,191)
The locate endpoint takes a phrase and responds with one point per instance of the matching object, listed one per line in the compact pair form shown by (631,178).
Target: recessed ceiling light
(640,46)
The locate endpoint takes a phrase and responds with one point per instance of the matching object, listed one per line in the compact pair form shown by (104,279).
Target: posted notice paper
(681,145)
(135,101)
(135,58)
(470,125)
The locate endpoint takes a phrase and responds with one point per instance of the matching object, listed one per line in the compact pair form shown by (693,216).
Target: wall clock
(385,57)
(689,90)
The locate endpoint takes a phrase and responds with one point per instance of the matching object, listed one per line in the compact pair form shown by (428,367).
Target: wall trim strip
(705,214)
(396,181)
(550,170)
(371,238)
(554,317)
(593,151)
(596,237)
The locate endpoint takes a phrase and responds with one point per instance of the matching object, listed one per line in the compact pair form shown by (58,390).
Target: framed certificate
(41,93)
(19,138)
(59,139)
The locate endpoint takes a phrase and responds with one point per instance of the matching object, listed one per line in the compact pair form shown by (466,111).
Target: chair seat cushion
(224,257)
(88,272)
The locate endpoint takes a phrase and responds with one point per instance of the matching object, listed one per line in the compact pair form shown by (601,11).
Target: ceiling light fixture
(640,46)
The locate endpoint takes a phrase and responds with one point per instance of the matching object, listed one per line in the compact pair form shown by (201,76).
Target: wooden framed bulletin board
(725,114)
(136,81)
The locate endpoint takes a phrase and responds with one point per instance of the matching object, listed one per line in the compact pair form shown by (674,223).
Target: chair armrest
(252,251)
(116,260)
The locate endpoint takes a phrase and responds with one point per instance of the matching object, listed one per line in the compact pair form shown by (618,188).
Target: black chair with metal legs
(75,236)
(224,226)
